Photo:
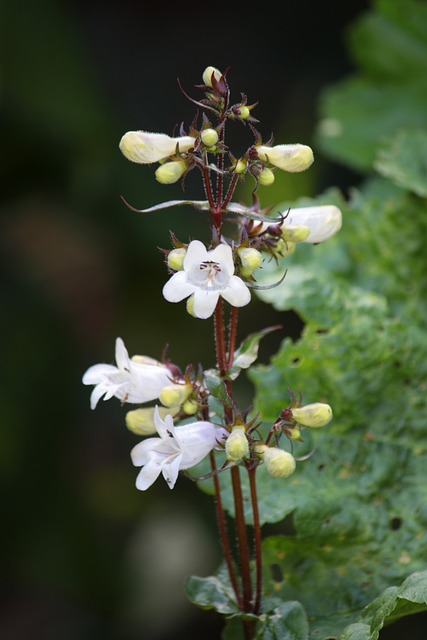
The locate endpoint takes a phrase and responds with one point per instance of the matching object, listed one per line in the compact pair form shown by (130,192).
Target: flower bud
(250,258)
(176,259)
(294,433)
(170,172)
(144,147)
(190,306)
(209,137)
(244,112)
(174,395)
(289,157)
(240,166)
(141,421)
(295,233)
(237,445)
(313,415)
(279,463)
(207,75)
(190,407)
(266,177)
(284,249)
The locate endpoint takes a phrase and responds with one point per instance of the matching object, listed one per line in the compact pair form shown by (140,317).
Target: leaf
(213,592)
(392,604)
(287,621)
(387,90)
(404,160)
(216,387)
(247,353)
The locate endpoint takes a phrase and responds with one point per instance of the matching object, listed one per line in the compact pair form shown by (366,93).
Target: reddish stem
(257,539)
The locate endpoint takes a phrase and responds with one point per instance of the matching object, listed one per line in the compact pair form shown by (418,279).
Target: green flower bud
(176,258)
(190,407)
(279,463)
(141,421)
(240,166)
(190,306)
(313,415)
(284,249)
(266,177)
(170,172)
(244,112)
(207,75)
(295,233)
(175,395)
(209,137)
(295,433)
(237,445)
(250,258)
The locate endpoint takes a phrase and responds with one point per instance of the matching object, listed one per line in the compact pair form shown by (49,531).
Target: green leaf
(287,621)
(404,160)
(392,604)
(247,353)
(386,92)
(213,592)
(216,387)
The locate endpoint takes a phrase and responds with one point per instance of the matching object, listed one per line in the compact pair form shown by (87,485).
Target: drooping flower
(177,448)
(307,224)
(207,275)
(144,147)
(289,157)
(130,381)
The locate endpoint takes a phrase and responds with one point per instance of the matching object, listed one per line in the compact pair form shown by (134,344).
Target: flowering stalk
(184,419)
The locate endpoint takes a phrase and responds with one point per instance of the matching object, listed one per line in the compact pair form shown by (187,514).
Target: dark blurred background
(85,555)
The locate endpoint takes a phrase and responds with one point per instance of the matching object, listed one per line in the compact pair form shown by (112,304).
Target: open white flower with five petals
(177,448)
(130,381)
(207,275)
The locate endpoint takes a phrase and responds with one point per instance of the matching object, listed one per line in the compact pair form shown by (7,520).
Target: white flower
(289,157)
(207,275)
(144,147)
(130,381)
(322,223)
(177,448)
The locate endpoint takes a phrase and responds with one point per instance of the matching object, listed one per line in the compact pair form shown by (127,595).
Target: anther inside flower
(207,275)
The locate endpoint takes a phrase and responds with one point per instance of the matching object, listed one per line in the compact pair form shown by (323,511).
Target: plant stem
(242,540)
(232,335)
(257,539)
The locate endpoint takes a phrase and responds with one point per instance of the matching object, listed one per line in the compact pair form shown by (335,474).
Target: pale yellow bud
(294,433)
(141,421)
(266,177)
(284,249)
(190,306)
(237,445)
(209,137)
(190,407)
(250,258)
(295,233)
(144,147)
(313,415)
(207,75)
(289,157)
(176,259)
(244,112)
(171,172)
(279,463)
(174,395)
(240,166)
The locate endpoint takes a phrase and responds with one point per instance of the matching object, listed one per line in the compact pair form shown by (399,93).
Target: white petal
(171,469)
(223,254)
(196,254)
(197,440)
(237,293)
(98,372)
(165,427)
(204,303)
(147,476)
(178,287)
(323,221)
(122,356)
(147,381)
(97,394)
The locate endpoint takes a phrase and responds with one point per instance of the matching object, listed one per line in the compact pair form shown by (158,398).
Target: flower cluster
(208,274)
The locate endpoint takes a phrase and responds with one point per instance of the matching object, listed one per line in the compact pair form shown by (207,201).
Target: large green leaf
(403,159)
(388,90)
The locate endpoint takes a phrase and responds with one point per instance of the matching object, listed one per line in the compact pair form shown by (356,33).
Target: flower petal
(148,475)
(178,287)
(223,254)
(171,469)
(196,254)
(98,372)
(204,303)
(122,356)
(237,293)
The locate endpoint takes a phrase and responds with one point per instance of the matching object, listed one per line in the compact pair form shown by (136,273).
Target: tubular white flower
(130,381)
(145,148)
(289,157)
(207,275)
(323,221)
(177,448)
